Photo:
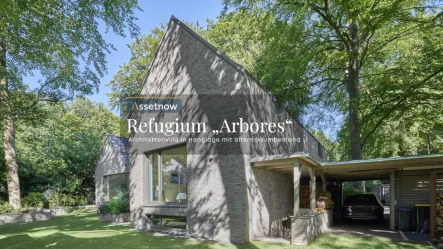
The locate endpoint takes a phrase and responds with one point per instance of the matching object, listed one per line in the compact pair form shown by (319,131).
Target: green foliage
(61,152)
(123,197)
(128,80)
(115,206)
(119,204)
(104,208)
(59,200)
(349,189)
(35,200)
(5,208)
(66,200)
(238,35)
(59,35)
(315,52)
(60,44)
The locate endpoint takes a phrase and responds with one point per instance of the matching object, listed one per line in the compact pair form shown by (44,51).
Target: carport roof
(353,170)
(428,159)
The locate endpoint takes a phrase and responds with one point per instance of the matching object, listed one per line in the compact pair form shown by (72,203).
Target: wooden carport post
(297,174)
(313,186)
(392,204)
(323,181)
(432,192)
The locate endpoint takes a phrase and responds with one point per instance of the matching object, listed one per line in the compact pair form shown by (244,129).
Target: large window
(167,175)
(116,185)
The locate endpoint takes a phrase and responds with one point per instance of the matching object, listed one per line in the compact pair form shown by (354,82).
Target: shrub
(34,199)
(80,201)
(115,206)
(123,197)
(350,191)
(6,208)
(26,210)
(104,208)
(59,199)
(119,206)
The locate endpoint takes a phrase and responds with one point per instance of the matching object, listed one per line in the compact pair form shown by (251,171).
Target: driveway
(365,228)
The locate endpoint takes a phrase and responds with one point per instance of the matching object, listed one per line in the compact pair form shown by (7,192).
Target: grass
(82,229)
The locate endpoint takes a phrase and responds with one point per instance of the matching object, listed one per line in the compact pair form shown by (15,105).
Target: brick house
(239,191)
(112,170)
(225,199)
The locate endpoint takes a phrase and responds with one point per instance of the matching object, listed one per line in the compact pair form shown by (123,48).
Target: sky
(154,13)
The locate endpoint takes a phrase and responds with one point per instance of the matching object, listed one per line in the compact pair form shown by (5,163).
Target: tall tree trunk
(9,136)
(353,87)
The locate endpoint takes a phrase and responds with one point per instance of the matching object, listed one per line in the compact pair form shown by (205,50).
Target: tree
(128,80)
(62,150)
(348,43)
(60,42)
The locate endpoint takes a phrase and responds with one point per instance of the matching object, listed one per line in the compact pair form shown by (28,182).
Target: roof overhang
(354,170)
(284,163)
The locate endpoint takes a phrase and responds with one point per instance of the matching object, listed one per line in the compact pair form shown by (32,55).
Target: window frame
(106,178)
(161,226)
(148,188)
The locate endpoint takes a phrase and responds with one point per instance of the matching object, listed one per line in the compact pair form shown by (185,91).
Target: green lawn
(82,230)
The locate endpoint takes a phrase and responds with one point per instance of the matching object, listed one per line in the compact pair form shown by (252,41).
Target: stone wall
(27,217)
(115,217)
(273,203)
(306,228)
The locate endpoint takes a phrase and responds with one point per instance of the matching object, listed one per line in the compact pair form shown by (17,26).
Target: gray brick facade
(112,161)
(227,200)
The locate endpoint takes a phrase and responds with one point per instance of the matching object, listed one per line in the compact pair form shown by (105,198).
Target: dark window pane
(156,220)
(117,185)
(153,178)
(364,198)
(174,222)
(174,177)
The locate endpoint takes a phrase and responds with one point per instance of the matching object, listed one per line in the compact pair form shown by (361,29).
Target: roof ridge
(238,67)
(110,134)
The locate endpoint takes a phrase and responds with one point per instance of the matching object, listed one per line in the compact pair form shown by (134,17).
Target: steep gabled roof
(220,54)
(121,145)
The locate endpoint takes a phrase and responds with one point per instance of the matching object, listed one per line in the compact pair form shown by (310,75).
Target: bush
(81,201)
(115,206)
(59,199)
(119,206)
(350,191)
(34,199)
(104,208)
(123,197)
(6,208)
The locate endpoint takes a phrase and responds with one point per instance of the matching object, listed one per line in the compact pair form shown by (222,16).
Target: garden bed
(123,217)
(25,217)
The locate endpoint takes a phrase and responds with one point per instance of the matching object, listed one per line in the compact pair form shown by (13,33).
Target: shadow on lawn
(82,229)
(341,241)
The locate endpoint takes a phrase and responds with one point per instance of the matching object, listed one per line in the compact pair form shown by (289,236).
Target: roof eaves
(383,159)
(235,65)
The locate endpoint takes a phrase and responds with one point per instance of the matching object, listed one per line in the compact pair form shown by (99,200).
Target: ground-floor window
(176,222)
(167,175)
(116,185)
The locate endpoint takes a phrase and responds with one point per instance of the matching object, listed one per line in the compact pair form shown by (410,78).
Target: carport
(414,178)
